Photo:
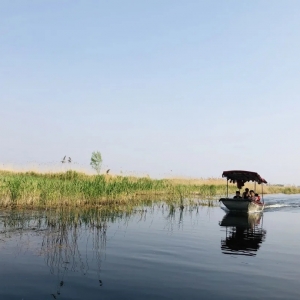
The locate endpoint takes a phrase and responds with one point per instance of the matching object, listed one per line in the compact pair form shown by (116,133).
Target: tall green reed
(72,188)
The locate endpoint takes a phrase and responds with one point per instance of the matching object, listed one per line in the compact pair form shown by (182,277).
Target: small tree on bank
(96,161)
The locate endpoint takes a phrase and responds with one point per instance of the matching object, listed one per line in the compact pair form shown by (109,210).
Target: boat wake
(276,205)
(280,206)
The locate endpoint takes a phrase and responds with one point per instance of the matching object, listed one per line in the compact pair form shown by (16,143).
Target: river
(153,252)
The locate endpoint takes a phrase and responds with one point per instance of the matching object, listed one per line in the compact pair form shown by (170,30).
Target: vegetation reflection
(73,240)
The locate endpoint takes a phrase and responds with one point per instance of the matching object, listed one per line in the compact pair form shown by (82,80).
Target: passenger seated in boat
(237,195)
(257,198)
(246,194)
(252,196)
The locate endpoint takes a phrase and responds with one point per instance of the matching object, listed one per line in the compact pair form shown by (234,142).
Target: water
(152,253)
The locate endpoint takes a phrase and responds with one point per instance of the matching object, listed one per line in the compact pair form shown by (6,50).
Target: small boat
(243,205)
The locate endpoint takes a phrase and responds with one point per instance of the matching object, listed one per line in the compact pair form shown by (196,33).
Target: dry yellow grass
(267,188)
(197,181)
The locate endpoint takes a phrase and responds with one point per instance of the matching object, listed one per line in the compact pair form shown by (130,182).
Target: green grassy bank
(76,189)
(30,189)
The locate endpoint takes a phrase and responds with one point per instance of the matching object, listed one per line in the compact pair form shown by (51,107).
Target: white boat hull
(241,205)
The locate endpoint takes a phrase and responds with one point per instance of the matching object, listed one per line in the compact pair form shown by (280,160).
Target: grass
(267,189)
(71,188)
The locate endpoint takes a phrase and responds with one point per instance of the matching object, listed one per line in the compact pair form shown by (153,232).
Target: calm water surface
(152,253)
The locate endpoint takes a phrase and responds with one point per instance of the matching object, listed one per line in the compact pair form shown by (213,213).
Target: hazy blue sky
(196,87)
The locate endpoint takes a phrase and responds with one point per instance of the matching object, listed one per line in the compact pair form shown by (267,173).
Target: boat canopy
(240,177)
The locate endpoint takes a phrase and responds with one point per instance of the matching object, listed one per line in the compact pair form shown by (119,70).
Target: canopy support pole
(262,193)
(227,187)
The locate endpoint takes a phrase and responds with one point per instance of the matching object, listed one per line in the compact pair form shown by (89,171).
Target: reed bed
(71,188)
(267,189)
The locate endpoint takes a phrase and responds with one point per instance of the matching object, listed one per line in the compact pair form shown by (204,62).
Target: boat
(240,178)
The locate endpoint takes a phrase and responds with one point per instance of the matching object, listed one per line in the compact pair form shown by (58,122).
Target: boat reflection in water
(244,233)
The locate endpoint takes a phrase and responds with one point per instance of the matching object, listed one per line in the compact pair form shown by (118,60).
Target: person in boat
(252,196)
(246,194)
(257,197)
(237,195)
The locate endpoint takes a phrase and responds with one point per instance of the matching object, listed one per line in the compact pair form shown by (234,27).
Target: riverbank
(71,188)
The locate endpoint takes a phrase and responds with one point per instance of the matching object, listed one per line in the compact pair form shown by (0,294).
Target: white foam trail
(276,205)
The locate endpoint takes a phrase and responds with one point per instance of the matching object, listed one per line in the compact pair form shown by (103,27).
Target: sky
(164,88)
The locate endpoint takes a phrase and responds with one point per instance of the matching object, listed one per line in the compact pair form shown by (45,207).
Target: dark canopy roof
(243,176)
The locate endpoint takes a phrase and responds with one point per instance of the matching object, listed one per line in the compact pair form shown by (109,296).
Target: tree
(96,161)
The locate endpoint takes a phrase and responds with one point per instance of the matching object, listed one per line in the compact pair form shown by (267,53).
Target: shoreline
(74,189)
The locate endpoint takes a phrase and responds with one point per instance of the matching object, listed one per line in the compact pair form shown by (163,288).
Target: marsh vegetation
(71,188)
